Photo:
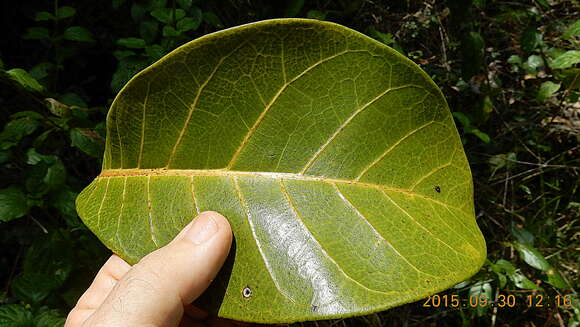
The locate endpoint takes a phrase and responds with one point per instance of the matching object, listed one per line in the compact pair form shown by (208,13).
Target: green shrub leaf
(155,52)
(15,315)
(36,33)
(87,141)
(65,12)
(521,234)
(521,281)
(43,16)
(64,201)
(148,30)
(532,256)
(547,89)
(212,19)
(335,159)
(21,76)
(386,38)
(185,4)
(132,42)
(531,39)
(16,129)
(49,318)
(572,31)
(316,14)
(57,108)
(566,60)
(13,203)
(169,31)
(77,33)
(555,279)
(32,287)
(533,63)
(127,67)
(168,15)
(50,255)
(189,23)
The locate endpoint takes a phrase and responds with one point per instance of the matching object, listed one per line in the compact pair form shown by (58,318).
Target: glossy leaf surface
(335,159)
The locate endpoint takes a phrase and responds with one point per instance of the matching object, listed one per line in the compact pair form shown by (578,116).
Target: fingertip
(222,225)
(224,228)
(222,221)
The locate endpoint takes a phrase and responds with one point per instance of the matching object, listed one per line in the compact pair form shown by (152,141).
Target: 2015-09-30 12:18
(501,301)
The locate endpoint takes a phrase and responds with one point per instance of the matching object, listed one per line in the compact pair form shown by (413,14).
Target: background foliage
(509,69)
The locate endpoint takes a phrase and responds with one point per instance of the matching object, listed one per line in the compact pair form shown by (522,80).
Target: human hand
(158,290)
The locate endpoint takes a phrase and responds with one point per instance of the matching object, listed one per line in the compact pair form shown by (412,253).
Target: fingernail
(203,228)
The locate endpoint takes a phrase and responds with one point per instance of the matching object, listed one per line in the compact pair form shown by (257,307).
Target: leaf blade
(250,123)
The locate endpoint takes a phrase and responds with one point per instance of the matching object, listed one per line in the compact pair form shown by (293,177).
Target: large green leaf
(335,159)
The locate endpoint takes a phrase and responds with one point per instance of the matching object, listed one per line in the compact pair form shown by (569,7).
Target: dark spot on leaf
(437,189)
(314,308)
(247,292)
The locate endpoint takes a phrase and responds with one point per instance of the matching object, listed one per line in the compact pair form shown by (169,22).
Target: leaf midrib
(274,175)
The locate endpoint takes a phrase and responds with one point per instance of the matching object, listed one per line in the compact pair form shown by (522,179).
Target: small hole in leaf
(437,189)
(247,292)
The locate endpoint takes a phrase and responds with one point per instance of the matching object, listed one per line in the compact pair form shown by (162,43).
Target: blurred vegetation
(509,69)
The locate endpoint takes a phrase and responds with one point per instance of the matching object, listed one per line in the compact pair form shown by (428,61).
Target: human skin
(158,290)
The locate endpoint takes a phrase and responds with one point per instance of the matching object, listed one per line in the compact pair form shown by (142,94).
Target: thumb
(155,290)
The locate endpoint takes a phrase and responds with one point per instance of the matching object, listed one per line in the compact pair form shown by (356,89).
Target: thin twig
(44,230)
